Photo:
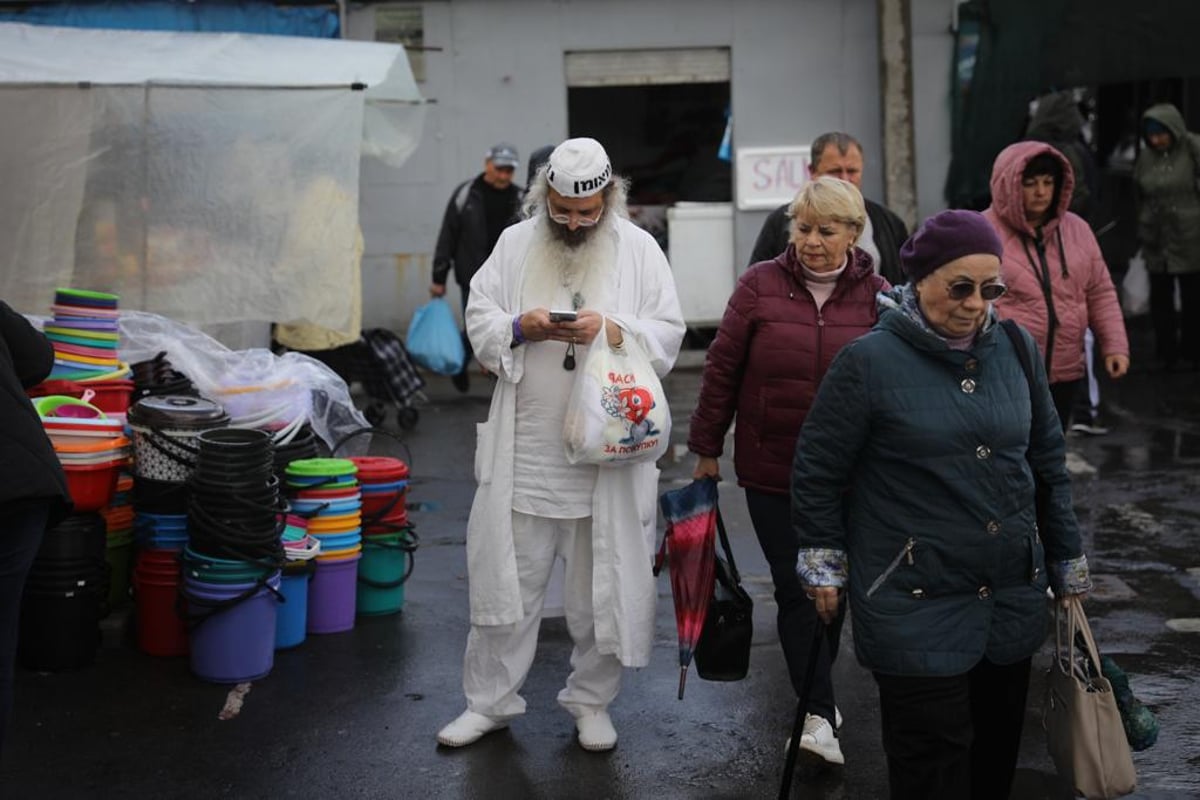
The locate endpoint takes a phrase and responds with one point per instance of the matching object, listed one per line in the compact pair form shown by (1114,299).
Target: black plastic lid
(177,411)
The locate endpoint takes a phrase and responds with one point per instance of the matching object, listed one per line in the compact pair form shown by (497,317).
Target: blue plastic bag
(434,340)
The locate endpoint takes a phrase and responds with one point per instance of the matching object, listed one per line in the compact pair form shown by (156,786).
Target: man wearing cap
(839,155)
(575,252)
(478,211)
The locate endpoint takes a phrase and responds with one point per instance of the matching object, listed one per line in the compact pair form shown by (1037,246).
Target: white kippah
(579,168)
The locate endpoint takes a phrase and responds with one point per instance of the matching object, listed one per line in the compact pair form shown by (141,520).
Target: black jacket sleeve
(890,233)
(773,238)
(31,352)
(29,468)
(447,242)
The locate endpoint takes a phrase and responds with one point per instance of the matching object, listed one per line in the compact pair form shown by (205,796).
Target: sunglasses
(580,220)
(961,290)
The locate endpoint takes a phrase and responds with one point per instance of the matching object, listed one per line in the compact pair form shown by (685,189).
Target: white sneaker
(596,731)
(837,712)
(468,728)
(819,738)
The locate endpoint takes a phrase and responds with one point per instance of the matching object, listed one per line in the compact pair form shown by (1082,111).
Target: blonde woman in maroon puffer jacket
(1058,283)
(787,319)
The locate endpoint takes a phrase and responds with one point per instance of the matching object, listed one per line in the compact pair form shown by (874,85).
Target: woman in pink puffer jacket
(1058,283)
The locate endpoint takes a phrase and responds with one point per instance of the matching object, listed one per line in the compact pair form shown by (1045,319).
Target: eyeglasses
(580,219)
(961,290)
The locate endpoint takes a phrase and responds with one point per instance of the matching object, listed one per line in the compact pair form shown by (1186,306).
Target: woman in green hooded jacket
(1166,192)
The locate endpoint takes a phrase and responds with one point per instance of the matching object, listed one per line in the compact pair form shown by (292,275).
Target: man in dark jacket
(841,156)
(33,489)
(479,209)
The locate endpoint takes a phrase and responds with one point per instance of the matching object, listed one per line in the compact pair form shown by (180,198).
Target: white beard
(554,271)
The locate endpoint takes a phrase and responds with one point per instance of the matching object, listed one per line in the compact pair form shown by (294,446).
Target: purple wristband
(518,337)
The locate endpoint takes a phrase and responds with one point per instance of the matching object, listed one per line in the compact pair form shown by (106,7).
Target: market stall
(175,182)
(209,178)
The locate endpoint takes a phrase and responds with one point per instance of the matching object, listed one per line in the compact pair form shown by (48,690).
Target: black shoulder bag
(1041,490)
(723,651)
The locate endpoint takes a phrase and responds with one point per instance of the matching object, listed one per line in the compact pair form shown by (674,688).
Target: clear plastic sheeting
(45,55)
(211,178)
(256,387)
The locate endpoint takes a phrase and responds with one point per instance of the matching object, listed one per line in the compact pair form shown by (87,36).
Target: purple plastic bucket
(236,643)
(331,596)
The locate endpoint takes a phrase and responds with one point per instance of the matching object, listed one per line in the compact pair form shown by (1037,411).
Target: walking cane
(789,764)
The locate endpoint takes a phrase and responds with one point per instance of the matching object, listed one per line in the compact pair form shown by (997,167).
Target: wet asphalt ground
(353,715)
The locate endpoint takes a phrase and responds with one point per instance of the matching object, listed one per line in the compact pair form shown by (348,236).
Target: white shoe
(596,731)
(837,719)
(819,738)
(468,728)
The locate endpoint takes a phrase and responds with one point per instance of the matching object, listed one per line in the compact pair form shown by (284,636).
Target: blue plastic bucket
(324,508)
(232,635)
(292,620)
(338,541)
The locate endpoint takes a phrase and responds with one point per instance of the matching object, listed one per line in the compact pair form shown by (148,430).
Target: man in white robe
(576,252)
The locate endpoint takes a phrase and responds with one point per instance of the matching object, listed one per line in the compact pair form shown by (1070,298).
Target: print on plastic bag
(617,413)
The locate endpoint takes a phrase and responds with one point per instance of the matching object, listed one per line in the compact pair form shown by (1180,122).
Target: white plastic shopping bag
(1135,288)
(617,413)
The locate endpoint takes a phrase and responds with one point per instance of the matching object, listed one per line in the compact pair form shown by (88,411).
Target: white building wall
(932,50)
(799,68)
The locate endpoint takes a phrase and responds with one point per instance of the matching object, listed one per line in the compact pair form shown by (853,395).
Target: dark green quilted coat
(913,462)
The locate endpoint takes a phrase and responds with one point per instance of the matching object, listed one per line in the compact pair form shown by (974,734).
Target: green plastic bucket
(120,560)
(385,565)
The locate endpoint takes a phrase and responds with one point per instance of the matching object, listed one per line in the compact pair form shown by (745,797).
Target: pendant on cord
(569,358)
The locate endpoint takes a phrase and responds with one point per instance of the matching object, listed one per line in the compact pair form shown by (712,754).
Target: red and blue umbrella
(688,548)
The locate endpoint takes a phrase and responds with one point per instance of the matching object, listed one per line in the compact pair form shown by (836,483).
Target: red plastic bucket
(379,469)
(160,629)
(111,397)
(92,486)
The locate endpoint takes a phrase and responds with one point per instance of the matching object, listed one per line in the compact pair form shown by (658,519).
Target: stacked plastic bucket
(159,540)
(118,522)
(325,492)
(231,565)
(90,445)
(64,594)
(85,332)
(156,377)
(389,541)
(164,428)
(300,551)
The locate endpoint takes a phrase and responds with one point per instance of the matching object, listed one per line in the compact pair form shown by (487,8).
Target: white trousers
(498,657)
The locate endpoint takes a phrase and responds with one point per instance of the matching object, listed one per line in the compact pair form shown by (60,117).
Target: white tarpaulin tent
(208,178)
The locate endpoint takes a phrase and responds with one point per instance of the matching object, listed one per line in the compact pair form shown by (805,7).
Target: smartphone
(563,316)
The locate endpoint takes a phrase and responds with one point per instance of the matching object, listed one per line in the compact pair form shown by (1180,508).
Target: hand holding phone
(563,316)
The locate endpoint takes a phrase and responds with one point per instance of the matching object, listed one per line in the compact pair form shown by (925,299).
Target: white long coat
(624,501)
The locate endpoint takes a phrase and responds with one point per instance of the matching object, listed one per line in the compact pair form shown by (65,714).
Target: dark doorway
(664,137)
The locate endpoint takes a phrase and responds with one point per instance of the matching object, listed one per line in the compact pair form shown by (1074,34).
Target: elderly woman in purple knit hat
(913,497)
